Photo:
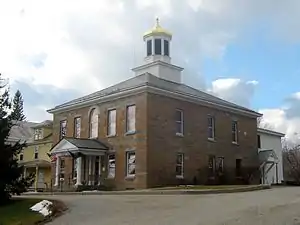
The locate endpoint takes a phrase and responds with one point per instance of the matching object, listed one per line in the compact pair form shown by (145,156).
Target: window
(77,127)
(63,129)
(111,166)
(179,165)
(62,168)
(238,167)
(157,45)
(111,124)
(211,127)
(234,130)
(130,118)
(211,164)
(38,134)
(258,141)
(149,47)
(166,47)
(36,152)
(179,122)
(220,164)
(130,164)
(93,123)
(21,155)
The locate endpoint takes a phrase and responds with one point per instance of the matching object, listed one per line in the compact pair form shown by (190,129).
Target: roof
(270,132)
(148,81)
(157,30)
(22,131)
(84,143)
(45,123)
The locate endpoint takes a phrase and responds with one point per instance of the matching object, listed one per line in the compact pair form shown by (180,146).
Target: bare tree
(291,162)
(263,125)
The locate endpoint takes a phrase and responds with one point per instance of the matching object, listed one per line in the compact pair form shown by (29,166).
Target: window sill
(179,135)
(130,177)
(111,135)
(179,177)
(211,139)
(234,143)
(130,133)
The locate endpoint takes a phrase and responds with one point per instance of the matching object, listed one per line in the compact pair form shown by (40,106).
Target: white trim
(181,122)
(271,132)
(158,62)
(150,89)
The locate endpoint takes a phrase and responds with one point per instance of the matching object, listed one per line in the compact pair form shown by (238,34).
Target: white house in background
(270,154)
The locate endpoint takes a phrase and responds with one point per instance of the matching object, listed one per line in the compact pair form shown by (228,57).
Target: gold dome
(157,29)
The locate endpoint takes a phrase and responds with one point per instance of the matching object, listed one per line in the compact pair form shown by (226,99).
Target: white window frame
(111,122)
(211,127)
(38,134)
(77,127)
(93,123)
(111,170)
(181,122)
(36,151)
(128,153)
(234,131)
(130,119)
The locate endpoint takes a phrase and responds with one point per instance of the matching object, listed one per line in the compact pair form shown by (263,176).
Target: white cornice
(270,132)
(157,62)
(154,90)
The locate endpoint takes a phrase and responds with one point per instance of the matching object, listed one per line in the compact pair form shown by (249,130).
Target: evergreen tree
(17,111)
(11,180)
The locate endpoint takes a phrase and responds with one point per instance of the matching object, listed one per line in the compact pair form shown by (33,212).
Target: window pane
(93,124)
(179,158)
(178,115)
(210,132)
(130,163)
(111,122)
(166,47)
(178,170)
(63,128)
(130,123)
(258,141)
(149,47)
(179,128)
(77,127)
(111,166)
(157,45)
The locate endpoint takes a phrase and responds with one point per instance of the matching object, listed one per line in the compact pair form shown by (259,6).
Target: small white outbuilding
(270,155)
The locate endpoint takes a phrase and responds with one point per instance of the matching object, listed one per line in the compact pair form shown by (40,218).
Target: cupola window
(149,47)
(166,47)
(157,45)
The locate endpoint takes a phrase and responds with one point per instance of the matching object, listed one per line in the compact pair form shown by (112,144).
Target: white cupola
(157,59)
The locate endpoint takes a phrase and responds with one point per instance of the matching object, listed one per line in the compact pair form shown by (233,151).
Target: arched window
(93,123)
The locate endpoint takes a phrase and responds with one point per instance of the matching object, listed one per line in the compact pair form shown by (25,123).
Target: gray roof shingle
(87,143)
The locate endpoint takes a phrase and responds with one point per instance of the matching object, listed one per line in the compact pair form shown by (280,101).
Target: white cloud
(234,90)
(87,45)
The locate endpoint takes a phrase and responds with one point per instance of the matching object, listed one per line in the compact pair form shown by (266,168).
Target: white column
(57,171)
(78,178)
(24,172)
(90,170)
(99,172)
(153,48)
(36,178)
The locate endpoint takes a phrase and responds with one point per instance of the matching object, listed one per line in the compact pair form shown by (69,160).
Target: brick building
(152,130)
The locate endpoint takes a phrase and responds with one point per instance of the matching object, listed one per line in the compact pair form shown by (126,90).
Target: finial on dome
(157,22)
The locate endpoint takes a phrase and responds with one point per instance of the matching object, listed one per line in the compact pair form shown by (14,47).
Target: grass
(18,212)
(202,187)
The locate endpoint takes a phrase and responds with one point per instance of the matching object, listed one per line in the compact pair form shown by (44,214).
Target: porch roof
(36,162)
(267,155)
(82,145)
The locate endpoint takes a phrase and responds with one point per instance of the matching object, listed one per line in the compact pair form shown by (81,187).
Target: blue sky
(245,51)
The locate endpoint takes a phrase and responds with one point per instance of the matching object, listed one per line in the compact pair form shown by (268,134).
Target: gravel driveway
(275,206)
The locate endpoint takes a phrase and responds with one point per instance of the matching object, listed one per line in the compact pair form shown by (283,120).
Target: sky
(244,51)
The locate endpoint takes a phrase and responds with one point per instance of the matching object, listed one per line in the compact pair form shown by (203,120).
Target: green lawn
(18,213)
(203,187)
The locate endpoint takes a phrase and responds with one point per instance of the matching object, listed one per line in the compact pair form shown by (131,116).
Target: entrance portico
(86,157)
(268,160)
